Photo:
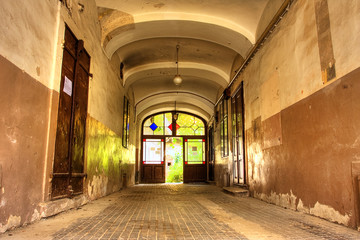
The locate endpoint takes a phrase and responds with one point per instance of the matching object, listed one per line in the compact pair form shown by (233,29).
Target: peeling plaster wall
(110,167)
(30,70)
(26,70)
(24,104)
(302,134)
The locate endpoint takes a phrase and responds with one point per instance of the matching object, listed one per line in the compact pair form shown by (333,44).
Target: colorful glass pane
(195,151)
(190,125)
(153,151)
(153,126)
(194,127)
(168,121)
(186,125)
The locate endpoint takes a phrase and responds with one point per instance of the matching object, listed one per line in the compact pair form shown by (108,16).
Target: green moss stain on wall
(107,161)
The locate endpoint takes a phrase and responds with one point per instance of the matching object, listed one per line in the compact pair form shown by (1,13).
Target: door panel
(147,171)
(159,173)
(195,160)
(80,113)
(153,168)
(61,159)
(68,168)
(211,155)
(238,137)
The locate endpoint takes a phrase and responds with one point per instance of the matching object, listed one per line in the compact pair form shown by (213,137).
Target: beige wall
(31,38)
(28,36)
(300,150)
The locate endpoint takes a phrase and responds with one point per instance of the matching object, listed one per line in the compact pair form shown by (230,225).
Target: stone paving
(189,211)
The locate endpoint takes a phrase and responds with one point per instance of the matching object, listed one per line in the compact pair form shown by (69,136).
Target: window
(224,141)
(195,151)
(165,124)
(126,123)
(189,125)
(160,124)
(153,151)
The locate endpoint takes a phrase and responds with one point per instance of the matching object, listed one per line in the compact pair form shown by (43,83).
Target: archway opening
(174,158)
(174,148)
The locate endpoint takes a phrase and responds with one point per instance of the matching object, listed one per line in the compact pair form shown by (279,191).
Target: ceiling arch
(169,106)
(193,69)
(190,101)
(220,35)
(242,16)
(215,38)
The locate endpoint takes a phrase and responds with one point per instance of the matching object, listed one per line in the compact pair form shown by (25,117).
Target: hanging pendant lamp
(177,79)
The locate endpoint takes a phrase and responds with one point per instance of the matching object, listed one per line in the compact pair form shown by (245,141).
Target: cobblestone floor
(187,211)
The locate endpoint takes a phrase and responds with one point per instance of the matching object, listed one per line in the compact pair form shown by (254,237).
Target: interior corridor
(181,211)
(98,97)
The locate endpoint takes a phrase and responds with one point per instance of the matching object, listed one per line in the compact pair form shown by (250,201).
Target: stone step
(236,191)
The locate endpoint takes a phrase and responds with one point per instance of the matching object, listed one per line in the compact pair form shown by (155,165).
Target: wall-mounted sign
(68,86)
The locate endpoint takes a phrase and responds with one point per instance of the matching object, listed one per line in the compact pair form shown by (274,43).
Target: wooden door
(237,105)
(211,155)
(195,160)
(153,167)
(68,167)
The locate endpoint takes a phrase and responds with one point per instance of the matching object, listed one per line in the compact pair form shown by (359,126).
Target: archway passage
(189,133)
(174,160)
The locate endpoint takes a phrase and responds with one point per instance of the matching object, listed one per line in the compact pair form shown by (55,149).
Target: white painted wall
(28,36)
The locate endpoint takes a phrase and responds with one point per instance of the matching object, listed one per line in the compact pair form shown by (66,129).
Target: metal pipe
(260,42)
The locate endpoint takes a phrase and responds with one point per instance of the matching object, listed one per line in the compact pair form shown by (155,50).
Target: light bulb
(177,80)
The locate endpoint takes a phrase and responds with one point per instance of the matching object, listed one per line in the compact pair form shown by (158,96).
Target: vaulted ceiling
(214,38)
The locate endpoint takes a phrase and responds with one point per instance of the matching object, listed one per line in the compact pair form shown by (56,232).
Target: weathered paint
(302,135)
(330,213)
(12,221)
(30,69)
(318,133)
(51,208)
(289,201)
(24,104)
(25,40)
(326,51)
(107,160)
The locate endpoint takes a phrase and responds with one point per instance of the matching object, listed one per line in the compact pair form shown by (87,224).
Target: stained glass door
(195,160)
(173,125)
(153,168)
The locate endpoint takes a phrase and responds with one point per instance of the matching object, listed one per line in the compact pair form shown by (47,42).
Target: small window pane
(195,151)
(153,151)
(168,122)
(190,125)
(158,125)
(126,123)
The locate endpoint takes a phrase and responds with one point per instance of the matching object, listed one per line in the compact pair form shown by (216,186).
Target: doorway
(211,154)
(68,167)
(237,105)
(173,149)
(174,160)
